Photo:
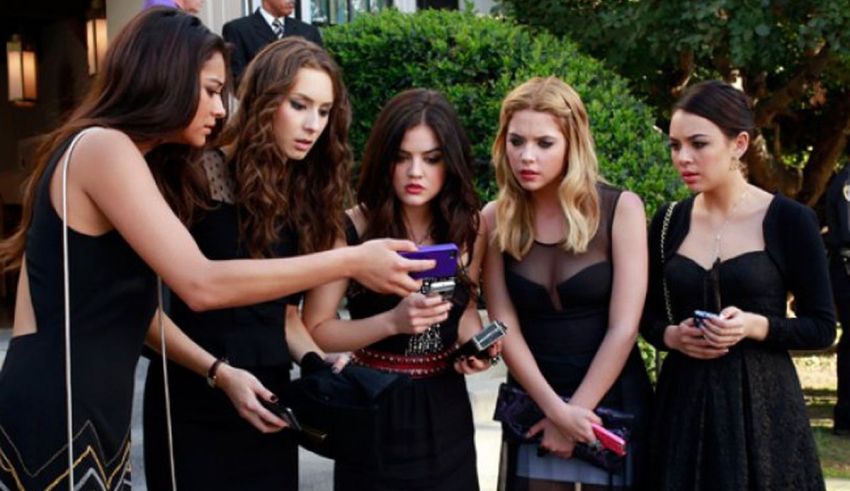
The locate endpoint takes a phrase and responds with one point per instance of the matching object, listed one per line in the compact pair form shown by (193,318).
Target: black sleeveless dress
(431,444)
(113,298)
(562,300)
(214,447)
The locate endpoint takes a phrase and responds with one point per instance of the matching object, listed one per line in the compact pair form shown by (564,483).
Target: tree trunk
(833,129)
(767,173)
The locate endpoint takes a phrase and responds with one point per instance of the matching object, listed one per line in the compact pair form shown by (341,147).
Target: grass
(818,377)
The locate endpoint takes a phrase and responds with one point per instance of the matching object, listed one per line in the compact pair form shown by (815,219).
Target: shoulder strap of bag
(664,226)
(67,302)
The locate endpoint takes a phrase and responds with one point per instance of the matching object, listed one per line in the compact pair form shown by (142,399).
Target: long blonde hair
(579,198)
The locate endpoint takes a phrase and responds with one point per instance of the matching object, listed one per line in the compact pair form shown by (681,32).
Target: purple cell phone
(444,254)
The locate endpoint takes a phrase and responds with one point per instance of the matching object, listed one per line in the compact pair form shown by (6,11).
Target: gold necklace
(718,234)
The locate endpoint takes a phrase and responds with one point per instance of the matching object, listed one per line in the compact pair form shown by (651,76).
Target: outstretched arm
(110,185)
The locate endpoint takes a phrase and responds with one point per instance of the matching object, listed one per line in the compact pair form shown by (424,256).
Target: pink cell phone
(609,440)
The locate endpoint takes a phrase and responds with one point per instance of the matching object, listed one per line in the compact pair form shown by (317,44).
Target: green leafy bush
(475,61)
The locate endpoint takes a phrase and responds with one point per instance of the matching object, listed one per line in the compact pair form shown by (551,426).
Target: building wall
(62,78)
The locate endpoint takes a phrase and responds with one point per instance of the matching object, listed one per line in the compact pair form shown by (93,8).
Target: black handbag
(339,413)
(518,413)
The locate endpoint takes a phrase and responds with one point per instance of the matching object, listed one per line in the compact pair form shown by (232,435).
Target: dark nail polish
(273,398)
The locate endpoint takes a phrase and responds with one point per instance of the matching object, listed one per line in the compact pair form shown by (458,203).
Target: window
(329,12)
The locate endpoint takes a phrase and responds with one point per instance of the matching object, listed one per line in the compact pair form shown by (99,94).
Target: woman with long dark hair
(415,183)
(729,408)
(288,139)
(158,96)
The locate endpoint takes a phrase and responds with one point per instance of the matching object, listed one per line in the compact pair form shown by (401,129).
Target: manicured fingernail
(273,398)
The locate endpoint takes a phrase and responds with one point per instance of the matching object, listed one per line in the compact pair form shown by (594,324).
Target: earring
(735,164)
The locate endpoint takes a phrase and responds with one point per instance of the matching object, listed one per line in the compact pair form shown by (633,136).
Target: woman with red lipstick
(415,183)
(566,271)
(275,190)
(730,412)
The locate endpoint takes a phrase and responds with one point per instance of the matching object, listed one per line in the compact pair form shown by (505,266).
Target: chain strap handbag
(664,226)
(668,307)
(67,328)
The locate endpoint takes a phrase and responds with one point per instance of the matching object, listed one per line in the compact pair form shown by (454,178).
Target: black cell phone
(700,317)
(283,413)
(478,345)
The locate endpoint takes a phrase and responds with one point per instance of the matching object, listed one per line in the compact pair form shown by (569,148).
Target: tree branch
(781,98)
(767,172)
(832,132)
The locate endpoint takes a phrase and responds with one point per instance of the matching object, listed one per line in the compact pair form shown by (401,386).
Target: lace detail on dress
(222,185)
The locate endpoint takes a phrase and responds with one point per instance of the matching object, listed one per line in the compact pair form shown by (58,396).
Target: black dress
(562,301)
(430,444)
(214,447)
(113,298)
(739,421)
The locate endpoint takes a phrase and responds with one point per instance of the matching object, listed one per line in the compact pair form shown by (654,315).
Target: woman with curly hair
(415,183)
(566,272)
(288,139)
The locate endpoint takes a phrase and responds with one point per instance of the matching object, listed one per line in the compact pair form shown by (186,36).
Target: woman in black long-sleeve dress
(288,139)
(730,412)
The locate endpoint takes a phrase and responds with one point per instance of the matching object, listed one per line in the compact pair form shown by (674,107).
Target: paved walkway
(317,472)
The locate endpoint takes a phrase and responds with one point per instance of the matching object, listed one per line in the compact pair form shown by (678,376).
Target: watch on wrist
(212,372)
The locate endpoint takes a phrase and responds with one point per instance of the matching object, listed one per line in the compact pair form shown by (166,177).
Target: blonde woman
(566,270)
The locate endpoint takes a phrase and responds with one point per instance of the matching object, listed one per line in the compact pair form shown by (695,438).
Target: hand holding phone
(479,345)
(700,316)
(282,412)
(445,255)
(609,440)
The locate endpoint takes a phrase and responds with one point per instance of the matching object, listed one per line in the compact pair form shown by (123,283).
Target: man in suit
(838,243)
(252,33)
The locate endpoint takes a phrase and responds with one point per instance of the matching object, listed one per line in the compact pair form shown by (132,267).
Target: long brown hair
(149,89)
(454,210)
(267,183)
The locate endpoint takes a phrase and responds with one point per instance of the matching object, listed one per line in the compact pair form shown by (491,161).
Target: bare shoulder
(105,145)
(488,215)
(358,218)
(630,204)
(761,197)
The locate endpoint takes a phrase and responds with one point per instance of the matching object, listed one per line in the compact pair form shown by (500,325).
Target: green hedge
(475,61)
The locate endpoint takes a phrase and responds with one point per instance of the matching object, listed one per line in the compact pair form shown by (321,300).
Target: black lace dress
(562,300)
(739,421)
(430,443)
(113,298)
(214,447)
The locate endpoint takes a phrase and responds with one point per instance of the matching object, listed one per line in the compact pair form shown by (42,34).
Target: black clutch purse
(518,413)
(339,413)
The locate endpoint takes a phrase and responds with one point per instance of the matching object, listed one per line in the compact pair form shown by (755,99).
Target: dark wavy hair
(722,104)
(455,208)
(307,196)
(149,89)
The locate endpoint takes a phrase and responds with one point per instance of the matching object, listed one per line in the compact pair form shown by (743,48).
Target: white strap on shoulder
(67,301)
